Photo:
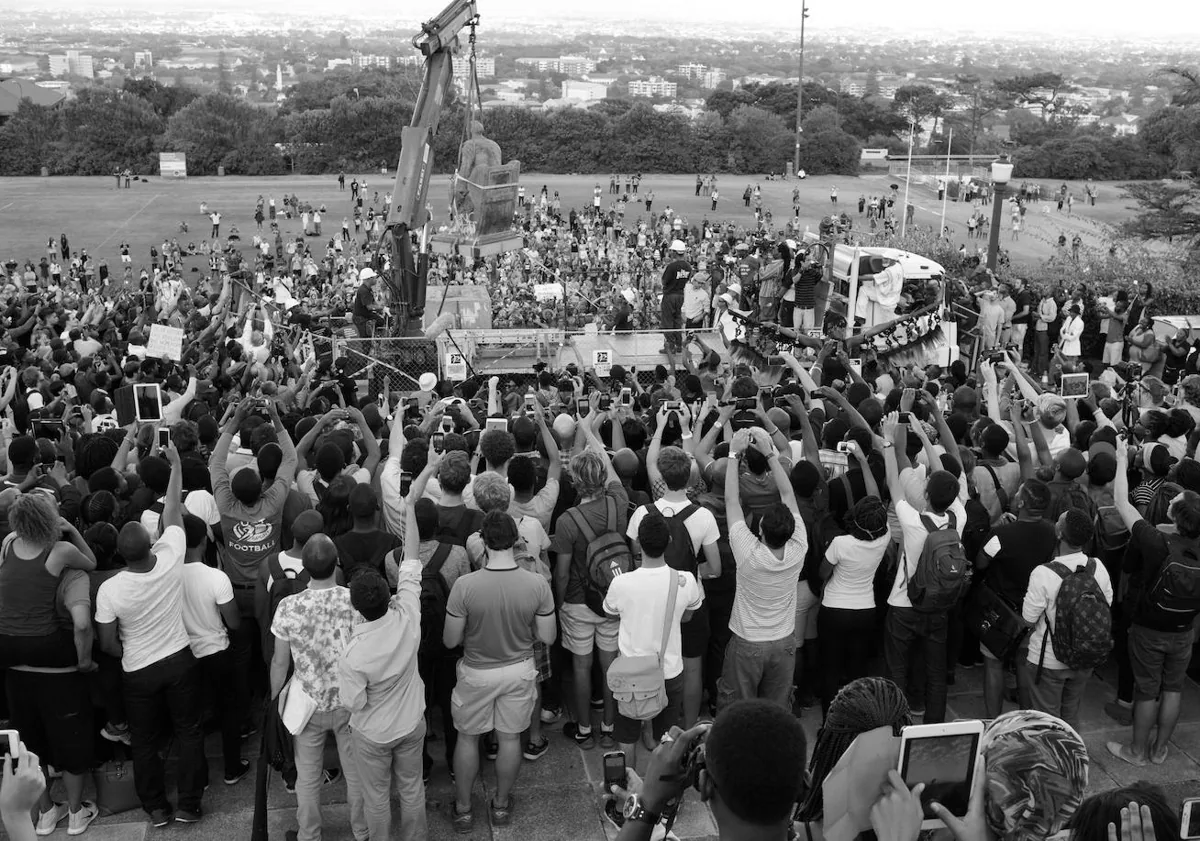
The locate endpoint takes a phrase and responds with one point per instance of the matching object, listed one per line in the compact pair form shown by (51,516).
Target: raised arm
(1129,513)
(370,442)
(554,460)
(1021,442)
(786,495)
(733,502)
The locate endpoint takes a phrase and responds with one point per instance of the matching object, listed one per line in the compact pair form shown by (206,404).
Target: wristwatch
(635,810)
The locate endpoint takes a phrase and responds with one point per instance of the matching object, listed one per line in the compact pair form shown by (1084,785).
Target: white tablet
(945,758)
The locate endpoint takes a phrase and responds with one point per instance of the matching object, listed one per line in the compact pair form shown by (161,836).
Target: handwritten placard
(165,342)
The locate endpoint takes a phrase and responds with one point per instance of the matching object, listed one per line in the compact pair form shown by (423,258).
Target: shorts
(694,633)
(807,607)
(583,630)
(53,713)
(541,660)
(1159,660)
(1113,352)
(499,699)
(804,318)
(125,258)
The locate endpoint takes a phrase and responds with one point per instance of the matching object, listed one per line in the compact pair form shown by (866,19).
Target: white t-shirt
(199,503)
(914,532)
(701,525)
(148,605)
(851,587)
(1039,608)
(640,599)
(203,589)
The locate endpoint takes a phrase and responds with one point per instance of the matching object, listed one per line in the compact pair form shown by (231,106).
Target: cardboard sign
(547,291)
(456,366)
(602,361)
(165,342)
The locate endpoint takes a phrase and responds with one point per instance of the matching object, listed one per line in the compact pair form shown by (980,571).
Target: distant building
(692,70)
(410,61)
(654,86)
(583,91)
(337,62)
(485,67)
(711,78)
(1124,125)
(143,58)
(12,91)
(72,64)
(360,62)
(572,65)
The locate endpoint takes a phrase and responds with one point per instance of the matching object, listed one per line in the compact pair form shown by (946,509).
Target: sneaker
(597,703)
(243,770)
(1119,713)
(491,749)
(464,822)
(585,740)
(916,712)
(187,816)
(78,822)
(161,817)
(501,815)
(606,737)
(51,818)
(248,730)
(549,716)
(331,776)
(118,733)
(536,750)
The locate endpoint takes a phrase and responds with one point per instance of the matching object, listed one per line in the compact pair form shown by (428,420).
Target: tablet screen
(944,764)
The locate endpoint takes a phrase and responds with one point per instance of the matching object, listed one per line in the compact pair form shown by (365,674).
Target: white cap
(428,381)
(790,243)
(629,295)
(726,297)
(366,274)
(677,245)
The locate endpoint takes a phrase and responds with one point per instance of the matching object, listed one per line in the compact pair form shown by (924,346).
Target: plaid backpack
(1082,630)
(607,555)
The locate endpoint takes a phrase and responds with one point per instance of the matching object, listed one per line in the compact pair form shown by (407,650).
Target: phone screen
(1192,828)
(439,439)
(944,764)
(614,769)
(164,438)
(8,745)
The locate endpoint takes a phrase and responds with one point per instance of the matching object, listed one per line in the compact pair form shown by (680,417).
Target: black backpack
(434,597)
(679,554)
(284,583)
(1175,594)
(942,574)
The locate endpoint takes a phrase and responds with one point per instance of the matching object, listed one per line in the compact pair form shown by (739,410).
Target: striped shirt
(764,605)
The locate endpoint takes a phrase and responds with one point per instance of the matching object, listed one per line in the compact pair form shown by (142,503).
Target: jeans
(757,670)
(220,679)
(310,750)
(378,766)
(843,636)
(173,681)
(1058,692)
(672,320)
(906,629)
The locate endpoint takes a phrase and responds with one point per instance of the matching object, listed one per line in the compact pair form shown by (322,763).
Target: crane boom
(437,41)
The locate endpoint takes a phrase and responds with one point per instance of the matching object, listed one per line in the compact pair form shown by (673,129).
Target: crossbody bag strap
(672,594)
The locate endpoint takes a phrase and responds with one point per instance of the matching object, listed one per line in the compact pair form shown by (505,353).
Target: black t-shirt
(364,549)
(364,299)
(1023,546)
(1023,303)
(675,277)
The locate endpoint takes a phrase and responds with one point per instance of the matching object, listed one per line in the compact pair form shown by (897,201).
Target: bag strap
(581,523)
(848,490)
(610,513)
(438,559)
(1001,494)
(673,592)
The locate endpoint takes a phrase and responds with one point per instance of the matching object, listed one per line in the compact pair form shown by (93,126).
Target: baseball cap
(367,274)
(677,245)
(427,381)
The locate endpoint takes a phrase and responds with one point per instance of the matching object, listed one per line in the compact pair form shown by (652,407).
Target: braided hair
(860,706)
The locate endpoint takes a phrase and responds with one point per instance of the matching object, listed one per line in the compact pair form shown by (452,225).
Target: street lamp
(1002,170)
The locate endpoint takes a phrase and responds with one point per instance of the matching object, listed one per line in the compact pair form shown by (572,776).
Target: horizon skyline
(1063,19)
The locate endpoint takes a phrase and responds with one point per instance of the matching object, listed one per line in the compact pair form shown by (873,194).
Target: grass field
(98,217)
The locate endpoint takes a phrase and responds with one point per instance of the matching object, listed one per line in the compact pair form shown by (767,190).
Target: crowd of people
(487,559)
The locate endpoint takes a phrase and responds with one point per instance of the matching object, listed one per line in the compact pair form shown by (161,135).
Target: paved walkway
(557,797)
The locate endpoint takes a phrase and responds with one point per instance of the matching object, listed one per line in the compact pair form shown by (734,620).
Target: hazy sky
(1168,19)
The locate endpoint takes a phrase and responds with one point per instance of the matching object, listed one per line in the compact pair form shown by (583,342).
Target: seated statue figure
(475,158)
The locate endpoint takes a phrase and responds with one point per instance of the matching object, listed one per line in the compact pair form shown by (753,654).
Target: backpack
(1111,537)
(468,525)
(1160,503)
(1083,636)
(526,559)
(607,555)
(434,596)
(284,583)
(1175,593)
(679,554)
(942,574)
(1069,495)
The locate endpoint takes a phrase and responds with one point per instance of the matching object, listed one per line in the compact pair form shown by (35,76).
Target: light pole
(800,90)
(1002,170)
